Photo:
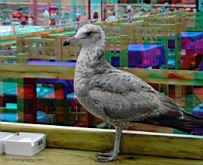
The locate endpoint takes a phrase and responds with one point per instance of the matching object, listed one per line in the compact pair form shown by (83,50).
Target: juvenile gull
(119,97)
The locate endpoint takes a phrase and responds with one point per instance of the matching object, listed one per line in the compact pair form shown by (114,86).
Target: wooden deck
(74,157)
(75,145)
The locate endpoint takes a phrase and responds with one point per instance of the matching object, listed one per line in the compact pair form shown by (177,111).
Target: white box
(25,144)
(3,136)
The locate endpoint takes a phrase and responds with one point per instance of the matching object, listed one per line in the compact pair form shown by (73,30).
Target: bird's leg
(117,142)
(112,155)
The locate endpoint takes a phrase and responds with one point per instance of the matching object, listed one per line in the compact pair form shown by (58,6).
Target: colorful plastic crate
(146,55)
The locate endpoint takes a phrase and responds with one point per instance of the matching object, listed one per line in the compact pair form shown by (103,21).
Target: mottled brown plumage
(119,97)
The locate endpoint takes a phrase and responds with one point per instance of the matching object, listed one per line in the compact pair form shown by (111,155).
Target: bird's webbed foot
(113,154)
(106,156)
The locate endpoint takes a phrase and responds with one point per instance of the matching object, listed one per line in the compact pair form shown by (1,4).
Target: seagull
(119,97)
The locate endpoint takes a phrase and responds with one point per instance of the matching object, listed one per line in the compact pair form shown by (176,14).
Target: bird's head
(88,34)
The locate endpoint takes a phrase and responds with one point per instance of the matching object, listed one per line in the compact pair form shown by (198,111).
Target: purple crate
(171,44)
(193,36)
(146,55)
(115,61)
(192,40)
(200,67)
(68,84)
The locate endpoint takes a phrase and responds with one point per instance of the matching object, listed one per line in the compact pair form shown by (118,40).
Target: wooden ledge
(75,157)
(133,142)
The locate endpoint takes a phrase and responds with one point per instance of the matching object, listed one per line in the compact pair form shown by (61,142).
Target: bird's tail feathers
(178,118)
(189,123)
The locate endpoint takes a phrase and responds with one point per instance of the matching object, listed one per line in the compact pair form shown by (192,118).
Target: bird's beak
(70,40)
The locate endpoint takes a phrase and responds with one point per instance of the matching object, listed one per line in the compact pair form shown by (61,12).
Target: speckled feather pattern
(117,96)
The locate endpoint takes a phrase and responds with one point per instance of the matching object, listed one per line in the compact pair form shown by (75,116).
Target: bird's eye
(89,33)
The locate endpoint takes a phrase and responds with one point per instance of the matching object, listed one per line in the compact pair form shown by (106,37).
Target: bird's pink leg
(111,155)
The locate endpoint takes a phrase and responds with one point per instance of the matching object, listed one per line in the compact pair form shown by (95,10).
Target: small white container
(25,144)
(3,137)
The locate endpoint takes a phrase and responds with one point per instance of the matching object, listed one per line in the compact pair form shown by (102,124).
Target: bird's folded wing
(124,96)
